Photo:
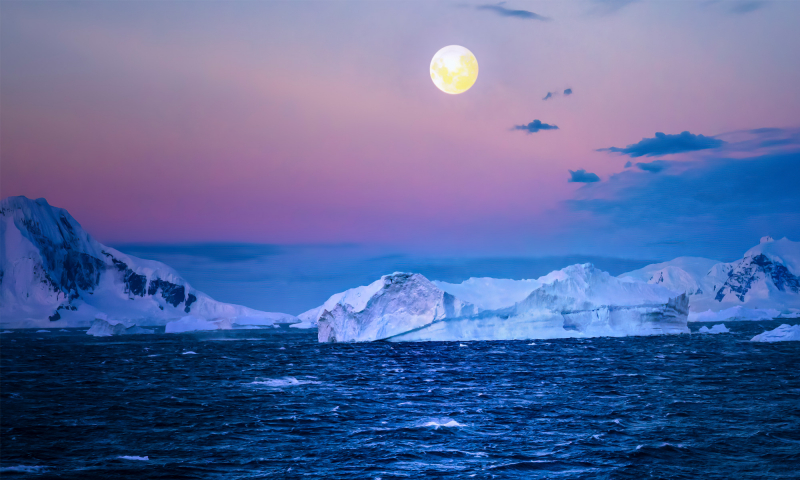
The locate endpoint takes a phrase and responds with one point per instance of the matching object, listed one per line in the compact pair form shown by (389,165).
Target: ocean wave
(24,469)
(134,457)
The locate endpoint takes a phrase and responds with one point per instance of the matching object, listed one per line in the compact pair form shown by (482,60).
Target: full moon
(454,69)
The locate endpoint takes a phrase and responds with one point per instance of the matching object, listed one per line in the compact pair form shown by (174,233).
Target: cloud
(664,144)
(548,96)
(719,206)
(568,91)
(747,6)
(628,164)
(653,167)
(607,7)
(506,12)
(535,126)
(582,176)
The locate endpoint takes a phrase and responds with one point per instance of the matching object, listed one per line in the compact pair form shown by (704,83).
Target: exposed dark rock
(749,270)
(172,293)
(190,299)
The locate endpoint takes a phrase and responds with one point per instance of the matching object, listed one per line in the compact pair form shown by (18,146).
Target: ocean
(248,404)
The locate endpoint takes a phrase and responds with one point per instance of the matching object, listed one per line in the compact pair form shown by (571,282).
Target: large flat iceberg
(578,301)
(784,333)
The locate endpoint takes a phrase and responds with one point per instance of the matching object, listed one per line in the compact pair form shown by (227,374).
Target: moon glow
(454,69)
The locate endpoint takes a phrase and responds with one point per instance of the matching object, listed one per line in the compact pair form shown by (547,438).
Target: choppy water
(278,405)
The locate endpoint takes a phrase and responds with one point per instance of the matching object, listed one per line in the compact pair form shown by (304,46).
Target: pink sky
(299,122)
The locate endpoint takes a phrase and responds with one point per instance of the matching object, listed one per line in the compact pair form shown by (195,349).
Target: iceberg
(355,298)
(721,328)
(784,333)
(404,301)
(108,328)
(578,301)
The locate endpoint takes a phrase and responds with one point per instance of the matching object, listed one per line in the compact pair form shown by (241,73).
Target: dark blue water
(278,405)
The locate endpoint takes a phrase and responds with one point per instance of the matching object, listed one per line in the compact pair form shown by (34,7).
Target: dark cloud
(720,206)
(664,144)
(746,6)
(582,176)
(568,91)
(628,164)
(653,167)
(548,96)
(535,126)
(507,12)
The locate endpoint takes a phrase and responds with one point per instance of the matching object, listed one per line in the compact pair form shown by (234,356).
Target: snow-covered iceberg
(784,333)
(54,274)
(355,298)
(578,301)
(763,284)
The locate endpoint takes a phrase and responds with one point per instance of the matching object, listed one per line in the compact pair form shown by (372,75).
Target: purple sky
(303,122)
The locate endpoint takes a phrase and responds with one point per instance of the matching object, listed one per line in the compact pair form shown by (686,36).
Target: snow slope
(54,274)
(578,301)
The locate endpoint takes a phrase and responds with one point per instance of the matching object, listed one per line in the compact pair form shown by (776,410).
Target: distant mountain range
(764,283)
(54,274)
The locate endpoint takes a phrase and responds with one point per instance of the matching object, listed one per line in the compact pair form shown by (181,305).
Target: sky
(316,123)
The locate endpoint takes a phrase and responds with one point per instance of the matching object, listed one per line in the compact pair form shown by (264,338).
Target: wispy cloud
(582,176)
(499,9)
(535,126)
(665,144)
(747,6)
(607,7)
(548,96)
(568,91)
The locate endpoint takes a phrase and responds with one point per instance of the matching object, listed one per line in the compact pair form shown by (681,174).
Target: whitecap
(281,382)
(189,353)
(134,457)
(6,331)
(442,422)
(42,331)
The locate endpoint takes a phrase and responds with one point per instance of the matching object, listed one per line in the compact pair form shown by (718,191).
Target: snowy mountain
(578,301)
(54,274)
(764,283)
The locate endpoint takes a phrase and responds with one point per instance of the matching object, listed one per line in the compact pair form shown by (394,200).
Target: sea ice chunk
(721,328)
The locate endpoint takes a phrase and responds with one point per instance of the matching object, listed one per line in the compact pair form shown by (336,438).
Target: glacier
(784,333)
(54,274)
(577,301)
